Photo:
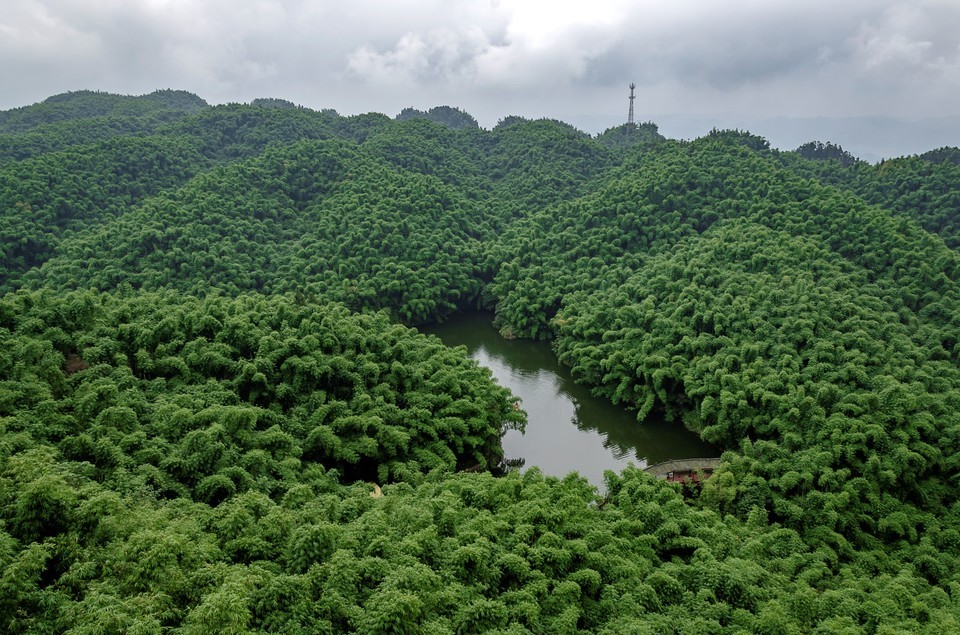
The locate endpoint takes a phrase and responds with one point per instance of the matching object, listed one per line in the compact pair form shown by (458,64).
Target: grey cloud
(810,58)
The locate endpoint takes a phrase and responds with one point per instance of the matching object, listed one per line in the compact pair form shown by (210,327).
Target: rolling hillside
(216,417)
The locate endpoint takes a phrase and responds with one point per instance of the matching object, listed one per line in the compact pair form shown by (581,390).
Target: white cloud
(909,41)
(440,55)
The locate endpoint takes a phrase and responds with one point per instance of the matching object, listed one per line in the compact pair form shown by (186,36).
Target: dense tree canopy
(922,188)
(86,104)
(819,151)
(48,196)
(214,419)
(627,135)
(446,115)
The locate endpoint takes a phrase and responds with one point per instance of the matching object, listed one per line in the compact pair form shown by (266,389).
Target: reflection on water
(568,429)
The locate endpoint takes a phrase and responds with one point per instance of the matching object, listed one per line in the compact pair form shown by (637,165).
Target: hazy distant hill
(868,138)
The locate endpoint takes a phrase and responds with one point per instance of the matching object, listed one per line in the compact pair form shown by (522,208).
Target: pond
(568,429)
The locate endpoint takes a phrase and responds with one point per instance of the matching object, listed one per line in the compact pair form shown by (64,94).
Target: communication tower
(630,114)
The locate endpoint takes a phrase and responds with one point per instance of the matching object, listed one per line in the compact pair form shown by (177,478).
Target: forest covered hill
(215,417)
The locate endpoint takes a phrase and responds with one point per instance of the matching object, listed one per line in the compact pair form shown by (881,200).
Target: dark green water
(568,429)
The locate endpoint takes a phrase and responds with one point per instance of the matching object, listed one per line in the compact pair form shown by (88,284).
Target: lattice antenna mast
(630,114)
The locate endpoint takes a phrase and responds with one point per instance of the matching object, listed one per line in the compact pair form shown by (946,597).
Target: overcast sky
(566,60)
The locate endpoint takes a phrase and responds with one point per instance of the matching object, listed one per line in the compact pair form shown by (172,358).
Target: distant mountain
(447,115)
(83,104)
(867,138)
(870,138)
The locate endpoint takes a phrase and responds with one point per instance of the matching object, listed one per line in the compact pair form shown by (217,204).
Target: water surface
(568,429)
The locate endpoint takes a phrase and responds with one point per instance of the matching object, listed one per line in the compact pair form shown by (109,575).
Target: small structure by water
(683,470)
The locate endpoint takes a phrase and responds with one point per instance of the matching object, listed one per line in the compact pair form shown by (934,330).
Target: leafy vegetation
(626,135)
(49,196)
(212,421)
(86,104)
(819,151)
(922,188)
(452,117)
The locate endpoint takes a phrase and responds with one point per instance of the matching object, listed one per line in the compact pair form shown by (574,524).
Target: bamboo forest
(218,415)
